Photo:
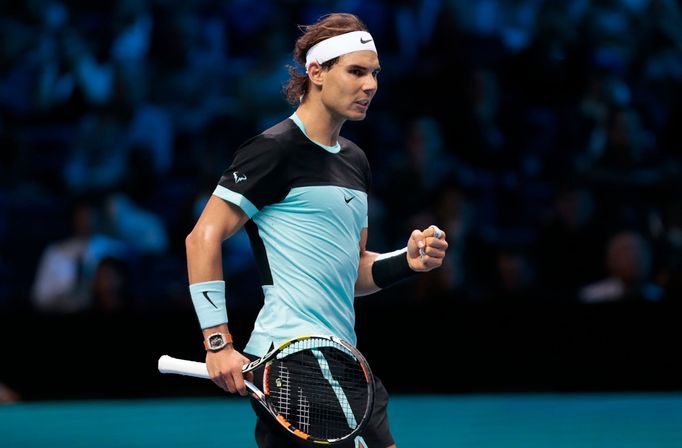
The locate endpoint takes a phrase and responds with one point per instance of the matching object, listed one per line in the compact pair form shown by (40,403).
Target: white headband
(339,45)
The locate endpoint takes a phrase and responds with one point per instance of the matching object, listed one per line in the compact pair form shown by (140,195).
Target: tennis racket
(320,388)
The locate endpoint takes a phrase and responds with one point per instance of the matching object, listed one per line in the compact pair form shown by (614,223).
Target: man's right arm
(218,221)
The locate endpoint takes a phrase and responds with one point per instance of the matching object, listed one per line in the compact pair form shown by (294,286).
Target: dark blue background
(533,132)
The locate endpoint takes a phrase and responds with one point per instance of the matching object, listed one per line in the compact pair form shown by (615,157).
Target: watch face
(216,341)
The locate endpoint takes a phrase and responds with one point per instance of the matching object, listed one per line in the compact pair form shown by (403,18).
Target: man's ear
(316,73)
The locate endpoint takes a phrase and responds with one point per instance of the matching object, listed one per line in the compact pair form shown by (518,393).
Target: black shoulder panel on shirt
(266,167)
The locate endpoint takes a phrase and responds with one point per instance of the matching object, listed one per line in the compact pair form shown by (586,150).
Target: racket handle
(168,364)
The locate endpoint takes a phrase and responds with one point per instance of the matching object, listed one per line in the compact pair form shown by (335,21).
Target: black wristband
(388,270)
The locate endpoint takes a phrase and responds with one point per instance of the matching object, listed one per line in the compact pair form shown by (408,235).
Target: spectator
(569,244)
(141,229)
(628,263)
(514,280)
(66,269)
(111,291)
(99,154)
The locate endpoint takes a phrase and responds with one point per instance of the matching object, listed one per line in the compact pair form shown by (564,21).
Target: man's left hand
(426,249)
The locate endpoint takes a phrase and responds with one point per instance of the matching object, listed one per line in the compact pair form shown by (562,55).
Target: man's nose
(370,84)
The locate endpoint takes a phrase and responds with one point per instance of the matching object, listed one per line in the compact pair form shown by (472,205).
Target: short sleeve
(256,177)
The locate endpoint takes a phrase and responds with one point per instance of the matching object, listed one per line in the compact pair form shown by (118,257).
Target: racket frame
(262,396)
(197,369)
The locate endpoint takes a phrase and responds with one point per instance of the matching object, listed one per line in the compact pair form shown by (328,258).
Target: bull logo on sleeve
(238,177)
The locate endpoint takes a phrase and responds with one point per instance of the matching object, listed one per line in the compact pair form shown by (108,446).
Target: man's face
(350,85)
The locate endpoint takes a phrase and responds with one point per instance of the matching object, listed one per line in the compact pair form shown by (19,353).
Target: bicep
(220,219)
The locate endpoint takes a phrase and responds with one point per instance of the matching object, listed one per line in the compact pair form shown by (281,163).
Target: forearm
(425,251)
(204,260)
(206,284)
(379,271)
(204,257)
(204,264)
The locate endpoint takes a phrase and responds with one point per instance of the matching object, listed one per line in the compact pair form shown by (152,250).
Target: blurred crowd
(544,137)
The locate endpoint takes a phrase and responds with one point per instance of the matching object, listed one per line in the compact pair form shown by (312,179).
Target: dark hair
(327,26)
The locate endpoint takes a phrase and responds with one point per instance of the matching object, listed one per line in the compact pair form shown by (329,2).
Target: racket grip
(168,364)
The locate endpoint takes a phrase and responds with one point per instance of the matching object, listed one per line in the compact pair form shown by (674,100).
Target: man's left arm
(425,251)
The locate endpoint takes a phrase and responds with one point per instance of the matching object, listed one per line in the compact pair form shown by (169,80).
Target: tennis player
(300,190)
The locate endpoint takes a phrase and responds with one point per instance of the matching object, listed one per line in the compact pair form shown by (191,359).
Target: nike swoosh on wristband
(362,41)
(348,199)
(205,293)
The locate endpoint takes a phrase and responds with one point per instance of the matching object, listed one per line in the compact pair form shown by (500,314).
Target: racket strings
(303,412)
(331,387)
(283,391)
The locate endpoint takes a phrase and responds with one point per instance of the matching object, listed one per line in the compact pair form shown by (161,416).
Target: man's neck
(319,123)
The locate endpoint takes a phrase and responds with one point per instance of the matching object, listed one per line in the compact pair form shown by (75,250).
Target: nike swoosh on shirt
(205,293)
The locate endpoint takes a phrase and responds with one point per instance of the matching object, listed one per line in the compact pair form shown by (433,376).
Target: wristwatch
(217,341)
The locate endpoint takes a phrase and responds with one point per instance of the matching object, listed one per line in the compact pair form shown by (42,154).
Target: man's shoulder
(351,148)
(284,129)
(347,143)
(272,138)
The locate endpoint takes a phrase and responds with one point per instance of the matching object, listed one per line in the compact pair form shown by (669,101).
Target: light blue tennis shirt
(308,204)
